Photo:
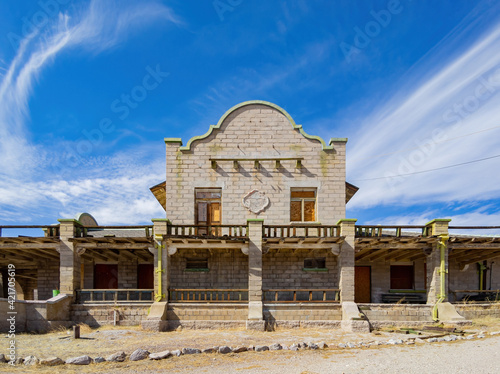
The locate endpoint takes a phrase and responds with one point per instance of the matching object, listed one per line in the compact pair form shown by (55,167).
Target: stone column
(69,261)
(157,317)
(255,312)
(433,263)
(346,260)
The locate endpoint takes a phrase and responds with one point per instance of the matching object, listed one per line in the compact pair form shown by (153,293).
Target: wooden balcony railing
(395,231)
(290,231)
(114,296)
(191,295)
(231,231)
(331,295)
(84,231)
(49,231)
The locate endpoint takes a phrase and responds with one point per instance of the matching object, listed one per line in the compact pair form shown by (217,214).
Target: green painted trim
(407,291)
(187,147)
(255,220)
(173,140)
(160,220)
(346,220)
(338,140)
(69,220)
(316,270)
(438,220)
(196,270)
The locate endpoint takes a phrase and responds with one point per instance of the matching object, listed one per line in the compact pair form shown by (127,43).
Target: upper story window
(303,205)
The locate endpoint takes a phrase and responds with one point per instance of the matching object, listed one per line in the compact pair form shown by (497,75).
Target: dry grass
(486,322)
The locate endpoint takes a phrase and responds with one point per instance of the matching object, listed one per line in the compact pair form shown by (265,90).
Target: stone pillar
(346,260)
(157,317)
(69,261)
(433,263)
(255,312)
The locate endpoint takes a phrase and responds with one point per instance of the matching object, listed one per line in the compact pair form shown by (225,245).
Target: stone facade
(255,131)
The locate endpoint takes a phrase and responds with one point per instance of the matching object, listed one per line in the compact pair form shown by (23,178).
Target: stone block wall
(473,311)
(284,269)
(274,313)
(227,269)
(255,131)
(197,316)
(47,279)
(397,312)
(97,315)
(127,272)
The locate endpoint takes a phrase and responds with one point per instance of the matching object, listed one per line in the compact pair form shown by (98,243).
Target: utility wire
(426,171)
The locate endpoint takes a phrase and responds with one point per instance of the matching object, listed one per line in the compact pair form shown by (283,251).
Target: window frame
(302,203)
(315,261)
(187,268)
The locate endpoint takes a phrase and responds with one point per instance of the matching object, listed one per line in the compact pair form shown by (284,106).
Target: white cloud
(436,123)
(101,26)
(115,189)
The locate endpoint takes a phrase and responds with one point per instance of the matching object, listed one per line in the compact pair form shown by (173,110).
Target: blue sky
(89,89)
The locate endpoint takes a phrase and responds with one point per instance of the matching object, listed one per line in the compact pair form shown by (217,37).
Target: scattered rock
(239,349)
(440,340)
(251,348)
(81,360)
(322,345)
(480,336)
(99,359)
(351,345)
(294,347)
(190,351)
(275,347)
(418,340)
(160,355)
(410,342)
(432,340)
(303,345)
(117,357)
(394,341)
(225,349)
(313,346)
(139,354)
(2,358)
(30,360)
(209,350)
(470,337)
(51,361)
(176,353)
(342,345)
(284,347)
(260,348)
(19,361)
(495,333)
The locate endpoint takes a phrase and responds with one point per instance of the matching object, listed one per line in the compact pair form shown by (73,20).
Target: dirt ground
(463,356)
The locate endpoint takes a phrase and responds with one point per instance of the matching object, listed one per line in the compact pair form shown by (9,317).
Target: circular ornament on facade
(256,201)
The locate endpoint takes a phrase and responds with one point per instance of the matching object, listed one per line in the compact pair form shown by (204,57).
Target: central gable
(246,122)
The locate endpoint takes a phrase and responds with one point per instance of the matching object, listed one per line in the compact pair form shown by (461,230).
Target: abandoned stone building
(254,235)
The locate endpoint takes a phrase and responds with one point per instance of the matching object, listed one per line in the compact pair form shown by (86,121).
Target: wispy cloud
(100,26)
(449,116)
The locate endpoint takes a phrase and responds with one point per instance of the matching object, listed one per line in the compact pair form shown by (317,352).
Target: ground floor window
(402,277)
(196,264)
(315,263)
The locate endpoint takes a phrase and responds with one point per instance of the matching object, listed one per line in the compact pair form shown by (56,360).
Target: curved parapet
(187,147)
(86,219)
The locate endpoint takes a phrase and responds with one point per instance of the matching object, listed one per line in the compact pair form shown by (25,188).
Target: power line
(426,171)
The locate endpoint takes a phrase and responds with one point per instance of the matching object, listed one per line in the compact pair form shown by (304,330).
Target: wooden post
(76,332)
